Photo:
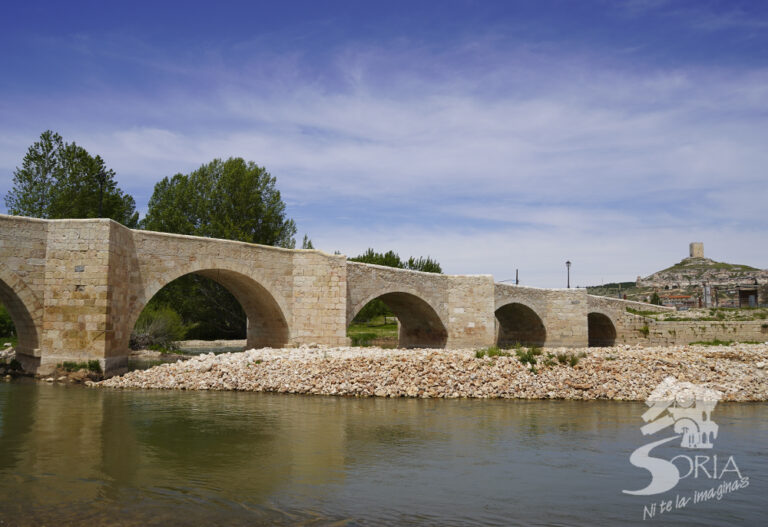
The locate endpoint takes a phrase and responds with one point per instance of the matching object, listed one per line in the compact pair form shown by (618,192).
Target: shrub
(645,330)
(158,327)
(714,342)
(572,359)
(91,365)
(363,339)
(528,356)
(493,351)
(94,365)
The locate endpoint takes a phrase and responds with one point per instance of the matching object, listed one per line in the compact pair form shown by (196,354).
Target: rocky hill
(694,271)
(682,284)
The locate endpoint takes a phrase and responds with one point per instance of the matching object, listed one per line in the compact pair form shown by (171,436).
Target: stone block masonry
(696,250)
(75,289)
(638,329)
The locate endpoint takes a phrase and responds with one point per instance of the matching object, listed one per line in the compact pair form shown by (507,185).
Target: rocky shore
(619,373)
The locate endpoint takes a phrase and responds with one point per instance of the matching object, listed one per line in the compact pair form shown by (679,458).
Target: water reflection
(71,455)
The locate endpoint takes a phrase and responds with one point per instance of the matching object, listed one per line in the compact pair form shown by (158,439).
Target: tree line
(231,199)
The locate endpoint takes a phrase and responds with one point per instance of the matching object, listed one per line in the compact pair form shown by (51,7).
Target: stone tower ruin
(697,250)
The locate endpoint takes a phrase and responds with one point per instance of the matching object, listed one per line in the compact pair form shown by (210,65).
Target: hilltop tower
(696,250)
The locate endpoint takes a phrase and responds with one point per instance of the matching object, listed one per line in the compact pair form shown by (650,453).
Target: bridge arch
(601,330)
(420,325)
(24,309)
(265,310)
(519,323)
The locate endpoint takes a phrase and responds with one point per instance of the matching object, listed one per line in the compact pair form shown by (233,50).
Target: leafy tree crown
(232,199)
(62,180)
(392,259)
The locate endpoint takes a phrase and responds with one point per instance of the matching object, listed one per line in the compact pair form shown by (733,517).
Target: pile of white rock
(620,372)
(7,354)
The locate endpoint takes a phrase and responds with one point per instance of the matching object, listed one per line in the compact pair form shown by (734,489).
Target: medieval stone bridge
(75,288)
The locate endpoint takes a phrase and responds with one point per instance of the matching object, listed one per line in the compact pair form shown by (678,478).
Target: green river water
(71,455)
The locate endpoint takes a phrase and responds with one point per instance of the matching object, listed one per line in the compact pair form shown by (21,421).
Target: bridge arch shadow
(23,321)
(519,324)
(601,330)
(266,322)
(419,324)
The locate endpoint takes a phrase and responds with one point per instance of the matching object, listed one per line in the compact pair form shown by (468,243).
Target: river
(71,455)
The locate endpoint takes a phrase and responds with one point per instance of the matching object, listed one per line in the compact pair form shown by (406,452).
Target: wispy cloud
(699,15)
(519,160)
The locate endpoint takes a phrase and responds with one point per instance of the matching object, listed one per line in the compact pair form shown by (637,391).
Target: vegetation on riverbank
(532,356)
(91,365)
(721,314)
(378,330)
(13,341)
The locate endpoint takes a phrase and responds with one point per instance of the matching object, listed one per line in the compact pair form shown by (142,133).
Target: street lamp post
(101,177)
(568,266)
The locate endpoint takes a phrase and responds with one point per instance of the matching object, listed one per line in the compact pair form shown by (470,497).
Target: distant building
(679,301)
(748,296)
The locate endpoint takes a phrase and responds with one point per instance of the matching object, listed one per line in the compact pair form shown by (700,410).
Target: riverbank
(618,373)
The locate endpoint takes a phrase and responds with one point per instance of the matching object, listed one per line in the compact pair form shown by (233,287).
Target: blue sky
(492,136)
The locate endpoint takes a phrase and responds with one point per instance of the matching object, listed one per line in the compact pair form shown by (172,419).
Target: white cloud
(525,163)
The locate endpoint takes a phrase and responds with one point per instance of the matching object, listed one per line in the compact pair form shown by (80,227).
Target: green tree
(306,243)
(232,199)
(392,259)
(427,265)
(389,258)
(62,180)
(655,299)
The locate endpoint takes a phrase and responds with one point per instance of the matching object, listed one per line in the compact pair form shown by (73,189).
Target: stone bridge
(75,289)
